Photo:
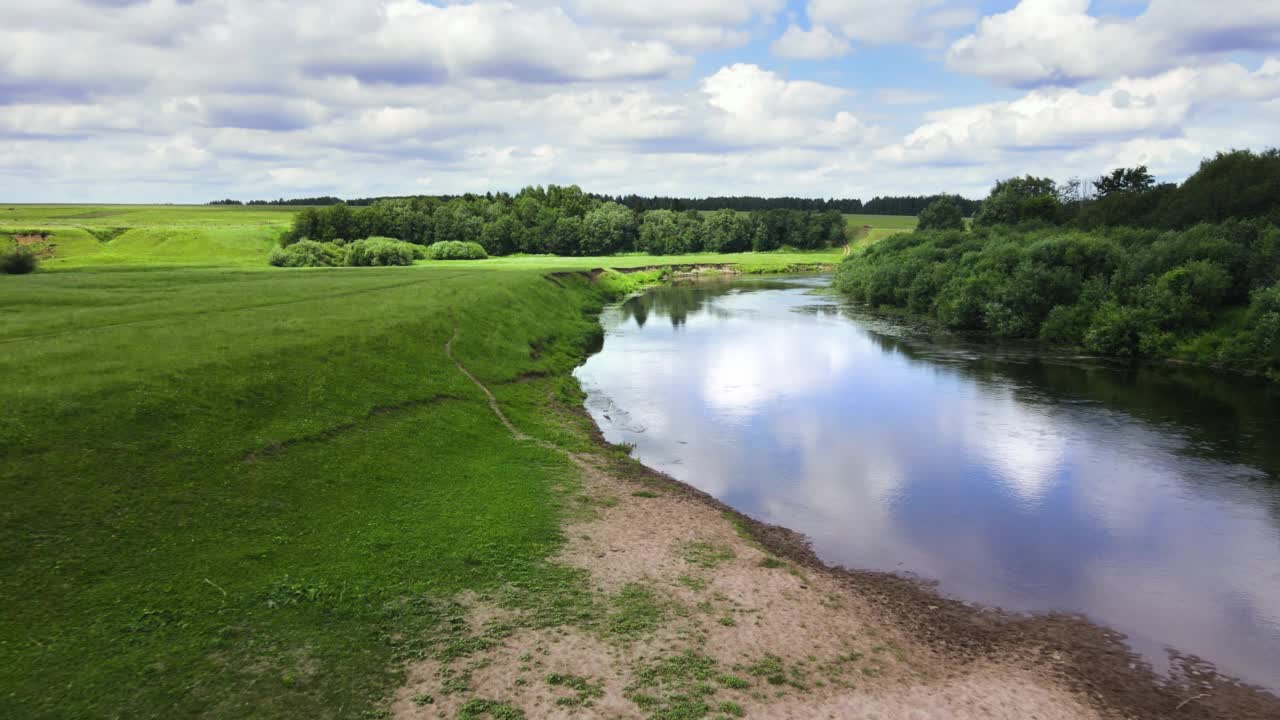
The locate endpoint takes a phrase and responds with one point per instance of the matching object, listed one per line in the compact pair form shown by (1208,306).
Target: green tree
(1136,179)
(608,229)
(942,214)
(1017,199)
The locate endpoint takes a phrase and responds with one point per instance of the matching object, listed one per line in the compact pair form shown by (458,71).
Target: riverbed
(1148,500)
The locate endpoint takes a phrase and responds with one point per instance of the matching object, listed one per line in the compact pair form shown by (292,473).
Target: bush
(1117,330)
(379,252)
(306,253)
(454,250)
(18,261)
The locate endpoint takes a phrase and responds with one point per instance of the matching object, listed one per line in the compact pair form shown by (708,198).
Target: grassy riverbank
(240,494)
(252,492)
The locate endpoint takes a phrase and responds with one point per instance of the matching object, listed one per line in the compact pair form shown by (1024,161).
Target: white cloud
(686,24)
(1058,42)
(1047,119)
(678,12)
(815,44)
(902,21)
(176,100)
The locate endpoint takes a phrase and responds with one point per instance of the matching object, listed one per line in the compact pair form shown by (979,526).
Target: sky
(196,100)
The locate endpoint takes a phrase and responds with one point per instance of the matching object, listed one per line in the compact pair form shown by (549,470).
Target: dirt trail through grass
(493,401)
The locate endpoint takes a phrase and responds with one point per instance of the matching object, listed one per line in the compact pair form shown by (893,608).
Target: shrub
(18,261)
(306,253)
(455,250)
(1119,330)
(379,252)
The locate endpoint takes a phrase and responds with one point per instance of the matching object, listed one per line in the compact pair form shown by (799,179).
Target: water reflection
(1147,500)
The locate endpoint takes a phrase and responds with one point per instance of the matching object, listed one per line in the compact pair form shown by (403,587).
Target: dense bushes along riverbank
(1139,270)
(1208,294)
(566,221)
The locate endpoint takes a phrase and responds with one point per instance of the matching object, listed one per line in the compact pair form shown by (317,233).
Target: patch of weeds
(424,699)
(644,494)
(603,501)
(771,668)
(727,621)
(633,612)
(454,682)
(771,562)
(733,682)
(705,554)
(691,582)
(837,665)
(476,709)
(560,597)
(584,690)
(729,707)
(675,687)
(706,607)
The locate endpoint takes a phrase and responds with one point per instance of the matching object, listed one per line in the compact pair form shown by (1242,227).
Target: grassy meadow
(236,491)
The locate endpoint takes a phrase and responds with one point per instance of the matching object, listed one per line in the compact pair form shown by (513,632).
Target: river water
(1146,500)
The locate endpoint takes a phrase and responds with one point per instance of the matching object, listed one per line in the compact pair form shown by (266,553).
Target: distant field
(80,235)
(147,215)
(204,235)
(890,222)
(870,229)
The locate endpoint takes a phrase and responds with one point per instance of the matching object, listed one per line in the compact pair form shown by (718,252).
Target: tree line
(1240,184)
(1126,268)
(563,220)
(890,205)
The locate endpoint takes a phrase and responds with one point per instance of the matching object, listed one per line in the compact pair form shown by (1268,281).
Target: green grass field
(236,491)
(82,235)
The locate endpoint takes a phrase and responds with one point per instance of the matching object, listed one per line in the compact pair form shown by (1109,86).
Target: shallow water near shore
(1147,500)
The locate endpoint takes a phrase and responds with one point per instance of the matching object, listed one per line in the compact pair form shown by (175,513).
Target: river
(1147,500)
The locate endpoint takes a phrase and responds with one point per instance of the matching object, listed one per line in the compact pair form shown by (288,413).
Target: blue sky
(191,100)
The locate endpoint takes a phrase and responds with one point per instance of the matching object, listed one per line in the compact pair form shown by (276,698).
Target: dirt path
(687,610)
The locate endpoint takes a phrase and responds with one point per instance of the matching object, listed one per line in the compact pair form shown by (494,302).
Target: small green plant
(584,690)
(729,707)
(772,562)
(379,252)
(733,682)
(306,253)
(644,494)
(727,621)
(18,261)
(634,612)
(476,709)
(454,250)
(691,582)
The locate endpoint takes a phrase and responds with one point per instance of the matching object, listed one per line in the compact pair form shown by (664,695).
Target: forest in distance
(564,221)
(887,205)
